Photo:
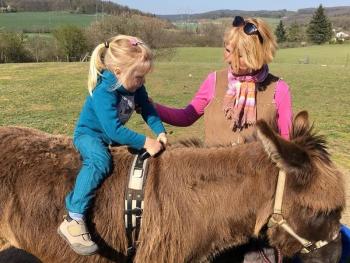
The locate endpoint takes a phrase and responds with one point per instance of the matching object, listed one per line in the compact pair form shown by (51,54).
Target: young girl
(116,77)
(233,99)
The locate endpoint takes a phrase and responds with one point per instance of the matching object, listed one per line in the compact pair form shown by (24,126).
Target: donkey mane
(312,141)
(189,143)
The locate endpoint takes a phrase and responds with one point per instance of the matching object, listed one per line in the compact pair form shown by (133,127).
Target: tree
(280,32)
(72,41)
(12,48)
(295,33)
(320,28)
(42,48)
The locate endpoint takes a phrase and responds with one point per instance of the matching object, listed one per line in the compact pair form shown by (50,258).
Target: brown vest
(217,127)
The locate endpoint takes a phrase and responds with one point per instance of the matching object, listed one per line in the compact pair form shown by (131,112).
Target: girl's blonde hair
(123,52)
(254,52)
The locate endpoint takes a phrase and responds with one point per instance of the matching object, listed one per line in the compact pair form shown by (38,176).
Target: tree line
(76,6)
(318,31)
(72,43)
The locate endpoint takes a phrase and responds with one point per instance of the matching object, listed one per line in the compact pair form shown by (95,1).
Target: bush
(151,30)
(72,42)
(42,48)
(12,48)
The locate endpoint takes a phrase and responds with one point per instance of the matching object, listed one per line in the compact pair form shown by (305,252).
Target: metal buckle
(136,211)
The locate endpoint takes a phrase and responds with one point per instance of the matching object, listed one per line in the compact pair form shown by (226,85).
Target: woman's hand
(162,139)
(152,146)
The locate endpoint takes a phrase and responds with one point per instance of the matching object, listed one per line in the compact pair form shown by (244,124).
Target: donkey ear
(288,156)
(301,124)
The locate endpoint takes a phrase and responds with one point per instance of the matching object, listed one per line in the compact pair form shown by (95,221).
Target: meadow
(49,96)
(46,21)
(43,21)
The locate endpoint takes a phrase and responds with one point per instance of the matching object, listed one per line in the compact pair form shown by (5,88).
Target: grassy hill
(227,21)
(49,96)
(226,13)
(339,16)
(43,21)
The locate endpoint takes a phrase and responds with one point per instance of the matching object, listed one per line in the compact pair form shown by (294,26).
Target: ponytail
(96,66)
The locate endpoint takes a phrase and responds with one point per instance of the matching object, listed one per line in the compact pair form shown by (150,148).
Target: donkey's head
(313,196)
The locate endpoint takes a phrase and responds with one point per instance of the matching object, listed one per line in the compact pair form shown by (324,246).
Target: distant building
(341,35)
(8,9)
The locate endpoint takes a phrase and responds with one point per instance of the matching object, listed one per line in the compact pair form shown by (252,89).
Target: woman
(233,99)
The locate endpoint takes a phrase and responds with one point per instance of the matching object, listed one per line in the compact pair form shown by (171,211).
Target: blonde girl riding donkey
(115,83)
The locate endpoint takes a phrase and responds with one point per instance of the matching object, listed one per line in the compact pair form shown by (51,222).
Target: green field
(273,22)
(49,96)
(43,20)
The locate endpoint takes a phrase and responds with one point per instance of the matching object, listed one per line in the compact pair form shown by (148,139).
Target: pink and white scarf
(239,102)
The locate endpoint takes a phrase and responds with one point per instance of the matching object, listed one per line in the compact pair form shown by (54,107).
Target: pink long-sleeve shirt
(195,109)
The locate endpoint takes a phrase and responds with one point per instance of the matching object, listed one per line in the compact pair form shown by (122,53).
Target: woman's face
(243,68)
(227,53)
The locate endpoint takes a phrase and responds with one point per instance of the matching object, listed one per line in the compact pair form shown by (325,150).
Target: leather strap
(277,218)
(134,201)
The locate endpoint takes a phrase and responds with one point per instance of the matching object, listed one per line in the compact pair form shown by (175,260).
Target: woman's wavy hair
(255,51)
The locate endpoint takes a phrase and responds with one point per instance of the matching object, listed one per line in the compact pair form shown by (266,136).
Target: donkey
(199,201)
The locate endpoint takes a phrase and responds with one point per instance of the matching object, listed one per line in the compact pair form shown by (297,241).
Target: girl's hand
(162,139)
(150,100)
(152,146)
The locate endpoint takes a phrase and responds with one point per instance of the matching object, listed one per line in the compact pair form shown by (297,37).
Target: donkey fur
(198,200)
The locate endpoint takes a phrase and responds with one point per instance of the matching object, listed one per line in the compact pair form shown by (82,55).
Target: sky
(166,7)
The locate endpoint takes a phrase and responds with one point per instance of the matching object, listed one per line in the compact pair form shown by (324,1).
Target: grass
(49,96)
(35,21)
(273,22)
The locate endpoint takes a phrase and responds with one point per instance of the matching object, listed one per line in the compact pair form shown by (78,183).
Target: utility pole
(102,11)
(96,10)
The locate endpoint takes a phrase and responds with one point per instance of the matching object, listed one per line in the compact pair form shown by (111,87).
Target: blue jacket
(109,108)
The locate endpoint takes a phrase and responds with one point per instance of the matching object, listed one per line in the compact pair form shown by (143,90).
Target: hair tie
(106,44)
(134,42)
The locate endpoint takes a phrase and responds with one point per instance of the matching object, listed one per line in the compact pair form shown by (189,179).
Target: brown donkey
(198,200)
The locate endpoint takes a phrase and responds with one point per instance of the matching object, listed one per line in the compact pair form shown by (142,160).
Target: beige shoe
(78,237)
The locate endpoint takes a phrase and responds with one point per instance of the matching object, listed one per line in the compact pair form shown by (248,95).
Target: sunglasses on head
(248,28)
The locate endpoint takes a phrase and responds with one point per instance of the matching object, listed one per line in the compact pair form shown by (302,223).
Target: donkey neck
(219,193)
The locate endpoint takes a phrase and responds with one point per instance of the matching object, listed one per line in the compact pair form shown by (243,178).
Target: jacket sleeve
(283,101)
(105,103)
(148,112)
(184,117)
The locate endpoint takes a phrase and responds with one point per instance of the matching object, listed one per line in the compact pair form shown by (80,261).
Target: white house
(341,35)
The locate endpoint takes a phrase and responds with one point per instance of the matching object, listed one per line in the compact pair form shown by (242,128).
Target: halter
(277,219)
